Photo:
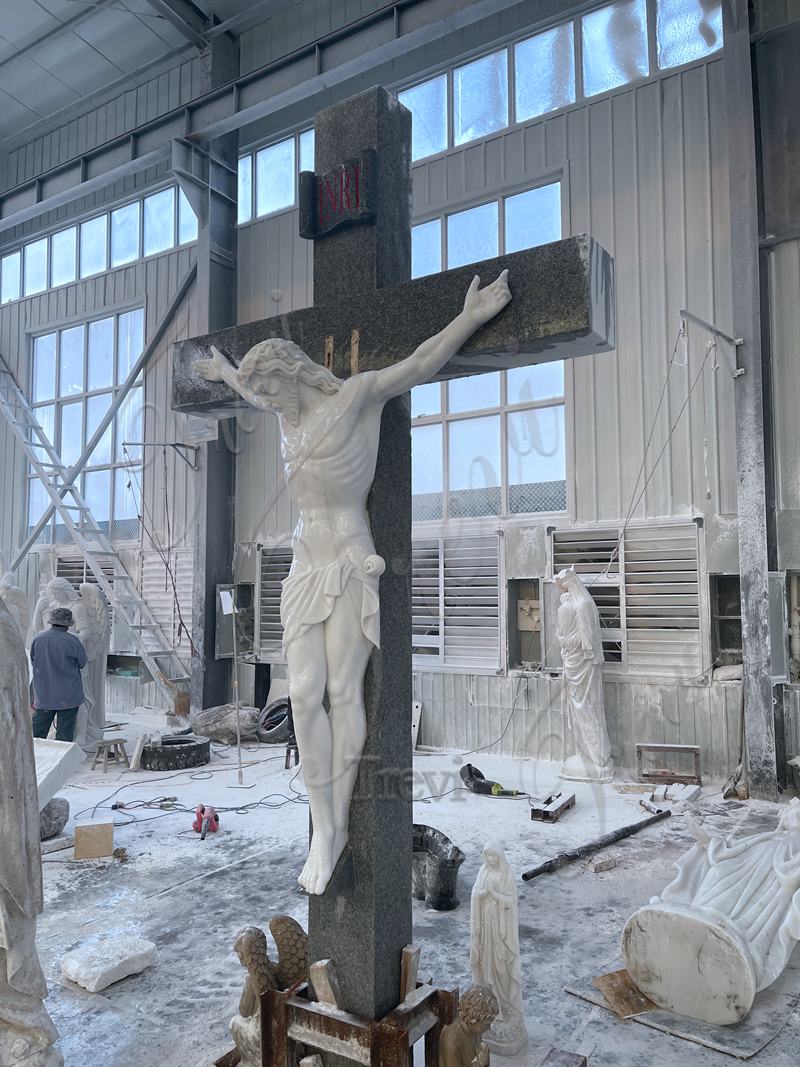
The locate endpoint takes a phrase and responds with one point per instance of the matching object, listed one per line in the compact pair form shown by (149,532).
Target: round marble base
(576,769)
(506,1038)
(690,963)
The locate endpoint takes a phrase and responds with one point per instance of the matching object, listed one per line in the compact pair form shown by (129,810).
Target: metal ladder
(156,653)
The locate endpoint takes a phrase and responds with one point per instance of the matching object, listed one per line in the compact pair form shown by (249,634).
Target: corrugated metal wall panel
(785,326)
(467,711)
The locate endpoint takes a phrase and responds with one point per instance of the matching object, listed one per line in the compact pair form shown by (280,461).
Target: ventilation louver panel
(161,595)
(662,604)
(275,564)
(471,602)
(425,606)
(595,556)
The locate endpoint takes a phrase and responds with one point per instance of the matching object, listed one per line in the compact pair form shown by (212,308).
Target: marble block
(98,964)
(56,761)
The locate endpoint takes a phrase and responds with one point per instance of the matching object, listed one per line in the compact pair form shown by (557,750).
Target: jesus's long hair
(276,355)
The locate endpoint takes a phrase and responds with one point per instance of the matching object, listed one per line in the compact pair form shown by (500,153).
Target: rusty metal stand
(294,1027)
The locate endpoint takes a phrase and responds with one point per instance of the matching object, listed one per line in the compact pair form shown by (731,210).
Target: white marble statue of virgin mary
(586,734)
(494,949)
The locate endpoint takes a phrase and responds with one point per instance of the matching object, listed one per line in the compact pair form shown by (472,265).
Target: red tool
(205,820)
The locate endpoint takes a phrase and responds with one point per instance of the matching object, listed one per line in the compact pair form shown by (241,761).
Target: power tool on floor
(476,782)
(206,820)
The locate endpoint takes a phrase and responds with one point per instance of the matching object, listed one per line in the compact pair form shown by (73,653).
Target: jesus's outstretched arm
(480,305)
(218,368)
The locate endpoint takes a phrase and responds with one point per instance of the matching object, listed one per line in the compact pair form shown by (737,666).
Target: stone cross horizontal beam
(563,305)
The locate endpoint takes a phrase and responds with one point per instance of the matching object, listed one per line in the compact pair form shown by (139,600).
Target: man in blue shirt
(57,657)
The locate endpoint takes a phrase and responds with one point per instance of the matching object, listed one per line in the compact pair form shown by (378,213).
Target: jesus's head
(274,368)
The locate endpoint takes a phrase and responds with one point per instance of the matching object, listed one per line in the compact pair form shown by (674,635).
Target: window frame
(49,535)
(76,223)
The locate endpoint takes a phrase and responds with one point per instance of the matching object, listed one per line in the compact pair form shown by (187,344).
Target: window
(490,444)
(687,30)
(63,256)
(461,430)
(76,373)
(125,223)
(275,177)
(10,278)
(428,106)
(545,72)
(245,189)
(539,74)
(455,602)
(614,46)
(187,220)
(267,180)
(529,218)
(480,97)
(94,245)
(726,620)
(36,267)
(159,222)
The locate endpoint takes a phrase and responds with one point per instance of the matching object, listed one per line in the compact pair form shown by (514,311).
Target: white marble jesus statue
(330,605)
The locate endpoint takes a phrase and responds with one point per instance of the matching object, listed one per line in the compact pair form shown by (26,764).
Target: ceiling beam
(239,103)
(186,18)
(56,31)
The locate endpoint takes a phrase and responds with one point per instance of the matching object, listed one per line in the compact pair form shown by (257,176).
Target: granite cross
(367,315)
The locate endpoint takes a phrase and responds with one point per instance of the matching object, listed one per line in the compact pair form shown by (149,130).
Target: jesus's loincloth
(308,598)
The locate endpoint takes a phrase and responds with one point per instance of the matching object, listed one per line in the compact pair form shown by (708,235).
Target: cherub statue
(262,975)
(93,627)
(330,604)
(460,1044)
(15,599)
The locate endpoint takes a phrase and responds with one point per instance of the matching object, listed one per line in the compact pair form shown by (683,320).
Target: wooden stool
(111,746)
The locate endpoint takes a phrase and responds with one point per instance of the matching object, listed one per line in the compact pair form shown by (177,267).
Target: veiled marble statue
(93,627)
(26,1031)
(494,949)
(578,632)
(16,599)
(330,602)
(725,928)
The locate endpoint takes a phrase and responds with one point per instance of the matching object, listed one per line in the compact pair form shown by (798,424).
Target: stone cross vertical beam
(365,931)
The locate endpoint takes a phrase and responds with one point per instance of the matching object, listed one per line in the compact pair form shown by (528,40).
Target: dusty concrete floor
(190,897)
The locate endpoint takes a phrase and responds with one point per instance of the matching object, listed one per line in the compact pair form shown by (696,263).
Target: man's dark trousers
(65,723)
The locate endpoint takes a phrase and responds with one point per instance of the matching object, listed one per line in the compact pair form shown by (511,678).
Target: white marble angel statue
(330,604)
(586,733)
(16,599)
(26,1031)
(93,627)
(494,953)
(725,928)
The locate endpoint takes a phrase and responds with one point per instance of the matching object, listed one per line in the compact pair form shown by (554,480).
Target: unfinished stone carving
(330,431)
(586,734)
(26,1030)
(16,599)
(725,928)
(263,974)
(460,1044)
(93,627)
(494,949)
